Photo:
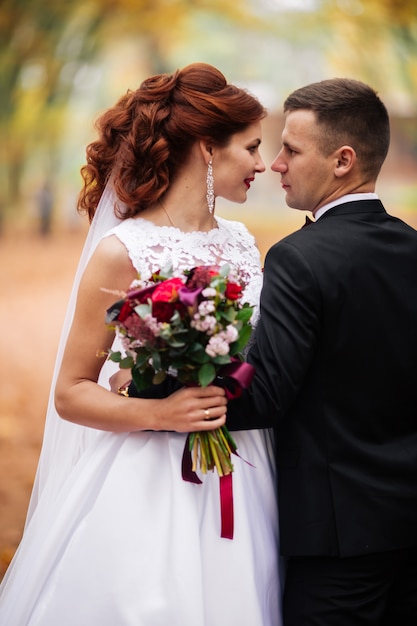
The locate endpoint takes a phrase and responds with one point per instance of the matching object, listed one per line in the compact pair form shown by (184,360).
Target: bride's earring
(210,187)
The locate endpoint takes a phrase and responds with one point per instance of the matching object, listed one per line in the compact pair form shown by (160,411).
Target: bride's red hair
(148,133)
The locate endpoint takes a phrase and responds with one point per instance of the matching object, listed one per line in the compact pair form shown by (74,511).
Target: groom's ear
(345,160)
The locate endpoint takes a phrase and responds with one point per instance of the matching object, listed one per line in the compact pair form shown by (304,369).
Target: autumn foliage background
(62,63)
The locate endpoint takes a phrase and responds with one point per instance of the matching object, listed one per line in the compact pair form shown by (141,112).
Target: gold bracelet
(124,389)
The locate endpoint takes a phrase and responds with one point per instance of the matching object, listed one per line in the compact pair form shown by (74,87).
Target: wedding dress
(124,540)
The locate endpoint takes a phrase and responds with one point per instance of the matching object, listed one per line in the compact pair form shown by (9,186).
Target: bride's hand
(192,409)
(189,409)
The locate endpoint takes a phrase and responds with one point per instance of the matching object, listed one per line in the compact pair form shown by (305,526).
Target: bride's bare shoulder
(111,260)
(111,247)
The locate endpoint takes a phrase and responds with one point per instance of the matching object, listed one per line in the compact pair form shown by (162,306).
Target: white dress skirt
(124,540)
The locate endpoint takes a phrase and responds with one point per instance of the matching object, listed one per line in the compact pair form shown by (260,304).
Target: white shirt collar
(350,197)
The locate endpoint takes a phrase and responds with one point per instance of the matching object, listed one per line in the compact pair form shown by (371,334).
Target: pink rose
(167,291)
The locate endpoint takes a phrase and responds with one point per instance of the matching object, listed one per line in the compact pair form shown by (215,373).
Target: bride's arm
(80,399)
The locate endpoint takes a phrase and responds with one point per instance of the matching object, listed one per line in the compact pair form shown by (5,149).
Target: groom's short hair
(348,112)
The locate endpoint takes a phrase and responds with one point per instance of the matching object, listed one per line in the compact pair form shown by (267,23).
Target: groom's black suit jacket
(335,353)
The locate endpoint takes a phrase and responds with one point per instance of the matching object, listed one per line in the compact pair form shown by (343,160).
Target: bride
(114,536)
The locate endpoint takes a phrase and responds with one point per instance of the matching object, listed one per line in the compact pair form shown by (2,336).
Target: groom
(336,369)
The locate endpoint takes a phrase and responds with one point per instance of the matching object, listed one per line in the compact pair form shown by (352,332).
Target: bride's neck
(187,212)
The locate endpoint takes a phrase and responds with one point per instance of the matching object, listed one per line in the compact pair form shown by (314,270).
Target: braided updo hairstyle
(147,135)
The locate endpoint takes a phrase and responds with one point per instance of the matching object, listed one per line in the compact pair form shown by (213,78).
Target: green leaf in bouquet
(175,318)
(195,347)
(116,357)
(142,357)
(177,362)
(178,336)
(244,336)
(176,343)
(199,356)
(177,332)
(206,374)
(219,285)
(221,359)
(165,332)
(142,380)
(126,363)
(156,360)
(143,310)
(244,314)
(180,352)
(224,270)
(229,314)
(159,377)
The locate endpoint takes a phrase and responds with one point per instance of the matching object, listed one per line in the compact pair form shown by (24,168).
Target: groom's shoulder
(304,245)
(297,238)
(292,245)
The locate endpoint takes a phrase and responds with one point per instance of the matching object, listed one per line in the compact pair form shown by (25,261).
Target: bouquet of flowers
(192,327)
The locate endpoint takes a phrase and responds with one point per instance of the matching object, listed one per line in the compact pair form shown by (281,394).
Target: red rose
(233,291)
(125,311)
(163,311)
(167,291)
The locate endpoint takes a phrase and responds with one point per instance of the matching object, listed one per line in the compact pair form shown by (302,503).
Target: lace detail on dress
(153,247)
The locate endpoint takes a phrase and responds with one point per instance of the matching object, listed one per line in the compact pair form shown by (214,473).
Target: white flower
(209,292)
(206,324)
(206,307)
(231,333)
(217,345)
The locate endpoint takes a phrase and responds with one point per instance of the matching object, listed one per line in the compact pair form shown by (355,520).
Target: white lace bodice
(153,247)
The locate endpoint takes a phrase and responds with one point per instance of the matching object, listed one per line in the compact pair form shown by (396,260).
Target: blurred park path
(35,278)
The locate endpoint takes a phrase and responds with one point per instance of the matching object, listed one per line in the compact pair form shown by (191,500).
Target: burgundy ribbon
(187,465)
(236,376)
(226,506)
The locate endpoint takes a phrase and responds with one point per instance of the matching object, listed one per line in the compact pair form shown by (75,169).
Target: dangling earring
(210,187)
